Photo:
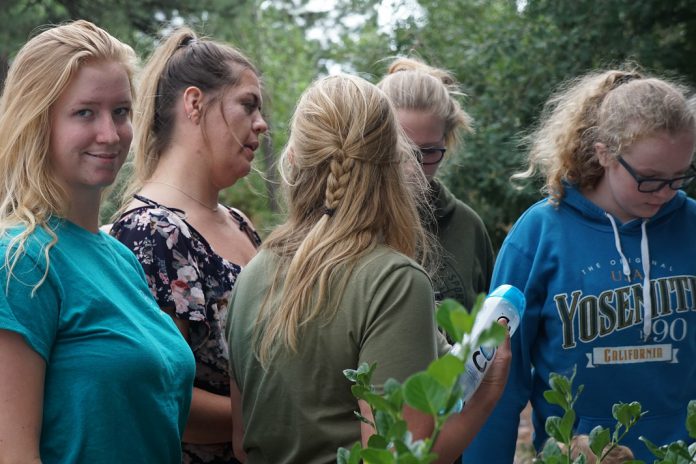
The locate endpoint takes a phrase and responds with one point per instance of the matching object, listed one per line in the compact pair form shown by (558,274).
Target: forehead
(96,82)
(248,83)
(423,128)
(662,153)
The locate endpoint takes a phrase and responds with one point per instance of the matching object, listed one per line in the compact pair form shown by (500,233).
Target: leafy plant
(434,391)
(559,448)
(677,452)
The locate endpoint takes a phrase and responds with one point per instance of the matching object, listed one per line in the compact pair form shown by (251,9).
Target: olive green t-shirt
(300,410)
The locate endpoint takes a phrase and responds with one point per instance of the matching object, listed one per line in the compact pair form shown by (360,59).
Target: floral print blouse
(186,275)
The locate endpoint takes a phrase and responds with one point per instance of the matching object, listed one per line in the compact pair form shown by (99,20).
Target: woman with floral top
(198,123)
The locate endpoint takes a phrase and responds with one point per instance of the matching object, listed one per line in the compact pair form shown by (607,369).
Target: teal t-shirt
(119,374)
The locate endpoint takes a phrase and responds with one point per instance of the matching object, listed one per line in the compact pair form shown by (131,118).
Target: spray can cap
(511,294)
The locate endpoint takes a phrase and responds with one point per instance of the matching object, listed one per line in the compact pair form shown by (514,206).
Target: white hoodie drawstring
(647,294)
(645,261)
(617,243)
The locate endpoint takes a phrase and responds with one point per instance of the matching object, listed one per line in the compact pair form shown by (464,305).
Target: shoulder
(384,265)
(154,221)
(536,217)
(34,245)
(245,225)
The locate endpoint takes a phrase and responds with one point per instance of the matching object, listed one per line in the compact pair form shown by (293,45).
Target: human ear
(603,155)
(193,103)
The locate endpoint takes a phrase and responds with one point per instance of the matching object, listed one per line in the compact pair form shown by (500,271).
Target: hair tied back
(624,79)
(188,40)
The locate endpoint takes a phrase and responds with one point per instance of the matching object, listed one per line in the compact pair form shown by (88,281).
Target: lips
(106,156)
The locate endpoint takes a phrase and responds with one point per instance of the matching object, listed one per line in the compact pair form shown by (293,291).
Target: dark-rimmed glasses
(430,155)
(654,184)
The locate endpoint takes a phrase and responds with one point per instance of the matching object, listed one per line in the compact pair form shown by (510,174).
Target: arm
(170,251)
(401,338)
(237,422)
(496,441)
(460,429)
(210,416)
(22,373)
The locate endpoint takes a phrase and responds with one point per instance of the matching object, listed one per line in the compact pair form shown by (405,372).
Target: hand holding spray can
(505,302)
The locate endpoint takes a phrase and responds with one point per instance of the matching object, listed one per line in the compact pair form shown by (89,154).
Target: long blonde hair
(414,85)
(43,68)
(182,60)
(349,187)
(613,107)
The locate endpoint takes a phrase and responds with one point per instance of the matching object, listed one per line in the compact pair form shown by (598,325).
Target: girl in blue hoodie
(607,263)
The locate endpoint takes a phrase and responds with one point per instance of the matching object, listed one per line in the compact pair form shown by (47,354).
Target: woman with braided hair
(337,285)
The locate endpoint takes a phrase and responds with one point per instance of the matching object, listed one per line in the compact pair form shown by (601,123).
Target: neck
(186,174)
(84,211)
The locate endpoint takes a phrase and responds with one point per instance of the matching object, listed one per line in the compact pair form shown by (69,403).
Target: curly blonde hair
(616,108)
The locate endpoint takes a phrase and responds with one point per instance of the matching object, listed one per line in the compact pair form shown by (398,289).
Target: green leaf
(657,451)
(691,418)
(554,429)
(551,448)
(560,383)
(384,422)
(398,430)
(555,397)
(452,317)
(376,456)
(492,336)
(446,370)
(374,400)
(377,441)
(599,438)
(352,375)
(343,456)
(566,425)
(424,393)
(623,413)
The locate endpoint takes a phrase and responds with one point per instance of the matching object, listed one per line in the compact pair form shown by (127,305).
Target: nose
(259,126)
(664,194)
(107,132)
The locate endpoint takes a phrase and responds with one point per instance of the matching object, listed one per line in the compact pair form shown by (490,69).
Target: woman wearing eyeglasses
(607,263)
(428,111)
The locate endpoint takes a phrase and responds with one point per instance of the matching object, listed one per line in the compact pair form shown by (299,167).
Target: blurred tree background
(509,55)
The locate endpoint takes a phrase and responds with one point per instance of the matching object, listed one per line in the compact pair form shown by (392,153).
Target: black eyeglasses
(653,184)
(430,155)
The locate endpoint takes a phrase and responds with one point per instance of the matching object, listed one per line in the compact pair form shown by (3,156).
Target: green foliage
(434,392)
(677,452)
(508,55)
(509,58)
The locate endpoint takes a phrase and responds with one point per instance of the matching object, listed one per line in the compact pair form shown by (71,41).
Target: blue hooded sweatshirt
(583,274)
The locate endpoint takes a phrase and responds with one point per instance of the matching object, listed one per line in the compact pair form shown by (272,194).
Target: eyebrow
(96,103)
(432,145)
(254,95)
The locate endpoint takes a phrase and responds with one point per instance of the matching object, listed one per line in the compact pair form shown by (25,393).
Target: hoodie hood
(595,215)
(591,212)
(443,201)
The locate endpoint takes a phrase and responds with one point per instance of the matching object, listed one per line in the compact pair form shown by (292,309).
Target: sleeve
(162,243)
(496,441)
(401,333)
(32,314)
(487,258)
